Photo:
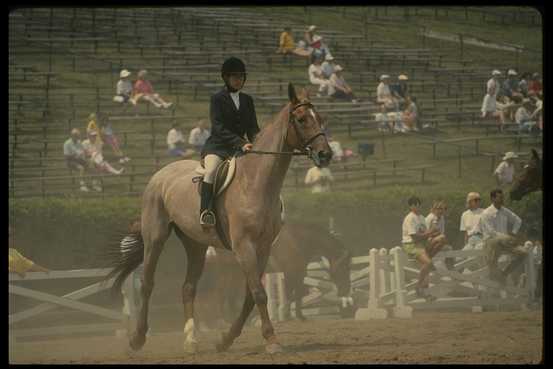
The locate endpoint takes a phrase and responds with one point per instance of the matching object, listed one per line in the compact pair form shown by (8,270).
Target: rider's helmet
(232,65)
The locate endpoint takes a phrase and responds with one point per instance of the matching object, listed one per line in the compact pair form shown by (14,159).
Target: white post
(384,273)
(271,296)
(374,309)
(282,304)
(401,310)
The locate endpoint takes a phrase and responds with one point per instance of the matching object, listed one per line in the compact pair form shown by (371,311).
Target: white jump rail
(50,302)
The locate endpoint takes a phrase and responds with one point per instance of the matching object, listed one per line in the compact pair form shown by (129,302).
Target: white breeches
(211,161)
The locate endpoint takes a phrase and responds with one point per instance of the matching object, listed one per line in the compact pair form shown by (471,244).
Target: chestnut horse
(530,180)
(248,212)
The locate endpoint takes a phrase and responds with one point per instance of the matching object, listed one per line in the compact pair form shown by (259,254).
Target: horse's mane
(273,124)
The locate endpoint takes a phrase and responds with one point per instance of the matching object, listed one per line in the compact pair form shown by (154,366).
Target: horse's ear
(535,155)
(292,94)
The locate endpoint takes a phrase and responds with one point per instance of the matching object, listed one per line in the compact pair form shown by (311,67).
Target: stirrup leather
(207,218)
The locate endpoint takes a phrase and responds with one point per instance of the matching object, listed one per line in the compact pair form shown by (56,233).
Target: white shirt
(412,224)
(505,172)
(314,72)
(491,87)
(173,137)
(469,221)
(522,115)
(320,178)
(493,221)
(124,87)
(336,148)
(383,91)
(198,136)
(432,221)
(236,98)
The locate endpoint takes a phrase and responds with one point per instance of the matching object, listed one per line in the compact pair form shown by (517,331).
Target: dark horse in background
(530,180)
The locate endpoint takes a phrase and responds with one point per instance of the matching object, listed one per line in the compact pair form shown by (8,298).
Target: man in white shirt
(175,142)
(328,66)
(199,135)
(469,222)
(384,95)
(523,117)
(316,77)
(415,240)
(319,179)
(494,224)
(505,171)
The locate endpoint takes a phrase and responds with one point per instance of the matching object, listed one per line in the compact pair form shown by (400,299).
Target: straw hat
(403,77)
(311,28)
(384,76)
(510,155)
(472,196)
(124,73)
(496,72)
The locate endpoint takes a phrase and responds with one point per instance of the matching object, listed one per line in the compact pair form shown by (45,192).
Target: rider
(232,115)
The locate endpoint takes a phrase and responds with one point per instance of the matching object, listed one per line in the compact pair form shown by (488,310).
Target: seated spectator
(384,95)
(510,87)
(336,147)
(288,46)
(421,243)
(537,115)
(107,136)
(316,77)
(535,85)
(435,220)
(75,157)
(92,125)
(93,149)
(342,89)
(504,173)
(316,43)
(175,142)
(124,88)
(469,221)
(18,263)
(319,179)
(399,89)
(523,117)
(410,114)
(199,135)
(489,104)
(499,226)
(523,83)
(328,66)
(508,108)
(143,90)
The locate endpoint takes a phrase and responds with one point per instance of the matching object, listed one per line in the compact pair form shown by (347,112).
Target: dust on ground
(429,337)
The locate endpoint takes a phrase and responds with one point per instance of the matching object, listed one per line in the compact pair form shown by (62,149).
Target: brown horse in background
(248,212)
(530,180)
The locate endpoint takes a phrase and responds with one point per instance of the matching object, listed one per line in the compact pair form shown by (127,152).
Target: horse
(248,213)
(530,180)
(298,244)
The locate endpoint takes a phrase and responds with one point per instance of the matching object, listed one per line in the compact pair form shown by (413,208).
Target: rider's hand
(247,147)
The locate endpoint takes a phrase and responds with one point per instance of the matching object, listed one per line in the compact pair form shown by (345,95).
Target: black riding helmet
(232,65)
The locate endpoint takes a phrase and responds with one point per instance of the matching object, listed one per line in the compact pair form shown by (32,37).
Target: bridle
(292,120)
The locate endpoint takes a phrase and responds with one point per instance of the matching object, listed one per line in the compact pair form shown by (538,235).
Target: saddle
(224,174)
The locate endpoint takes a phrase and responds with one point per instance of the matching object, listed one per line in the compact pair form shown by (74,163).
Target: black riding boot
(207,216)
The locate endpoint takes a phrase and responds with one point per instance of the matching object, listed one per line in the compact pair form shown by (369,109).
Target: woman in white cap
(469,222)
(489,105)
(143,89)
(523,117)
(316,42)
(124,88)
(315,73)
(342,89)
(510,87)
(504,173)
(328,66)
(400,89)
(384,95)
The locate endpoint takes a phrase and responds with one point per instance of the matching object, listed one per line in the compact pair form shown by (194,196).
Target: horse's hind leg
(155,231)
(236,328)
(195,253)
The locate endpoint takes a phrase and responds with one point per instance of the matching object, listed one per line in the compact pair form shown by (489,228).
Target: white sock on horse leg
(190,332)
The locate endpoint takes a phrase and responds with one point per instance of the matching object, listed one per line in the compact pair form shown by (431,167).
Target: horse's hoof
(137,342)
(273,348)
(190,347)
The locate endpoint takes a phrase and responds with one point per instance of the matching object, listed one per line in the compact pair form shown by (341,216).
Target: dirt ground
(430,337)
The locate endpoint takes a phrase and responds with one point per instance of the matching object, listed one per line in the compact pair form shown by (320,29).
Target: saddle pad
(223,175)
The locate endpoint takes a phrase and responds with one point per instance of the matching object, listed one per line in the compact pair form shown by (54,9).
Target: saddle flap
(223,175)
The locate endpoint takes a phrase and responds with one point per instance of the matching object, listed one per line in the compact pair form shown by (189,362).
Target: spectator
(75,157)
(494,225)
(537,115)
(421,243)
(523,84)
(410,114)
(106,135)
(342,89)
(534,245)
(489,104)
(92,125)
(175,142)
(93,149)
(316,42)
(469,222)
(435,220)
(523,117)
(131,287)
(384,95)
(286,44)
(336,147)
(509,107)
(505,171)
(316,77)
(400,89)
(143,90)
(124,88)
(535,86)
(199,135)
(18,263)
(328,66)
(510,87)
(319,179)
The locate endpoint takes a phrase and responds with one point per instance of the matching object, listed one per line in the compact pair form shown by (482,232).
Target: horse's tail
(126,256)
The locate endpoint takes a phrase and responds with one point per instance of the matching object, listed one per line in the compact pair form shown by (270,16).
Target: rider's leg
(207,217)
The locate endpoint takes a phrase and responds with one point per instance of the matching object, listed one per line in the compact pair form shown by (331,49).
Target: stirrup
(207,218)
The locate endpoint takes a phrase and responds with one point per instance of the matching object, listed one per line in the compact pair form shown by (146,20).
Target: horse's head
(529,180)
(307,131)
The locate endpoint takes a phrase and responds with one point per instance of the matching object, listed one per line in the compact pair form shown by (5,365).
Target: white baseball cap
(510,155)
(496,72)
(384,76)
(124,73)
(329,57)
(311,28)
(512,72)
(338,68)
(402,77)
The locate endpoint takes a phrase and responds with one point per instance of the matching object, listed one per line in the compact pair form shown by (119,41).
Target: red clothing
(143,87)
(535,86)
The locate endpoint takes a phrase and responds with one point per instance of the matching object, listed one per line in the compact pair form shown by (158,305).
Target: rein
(305,152)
